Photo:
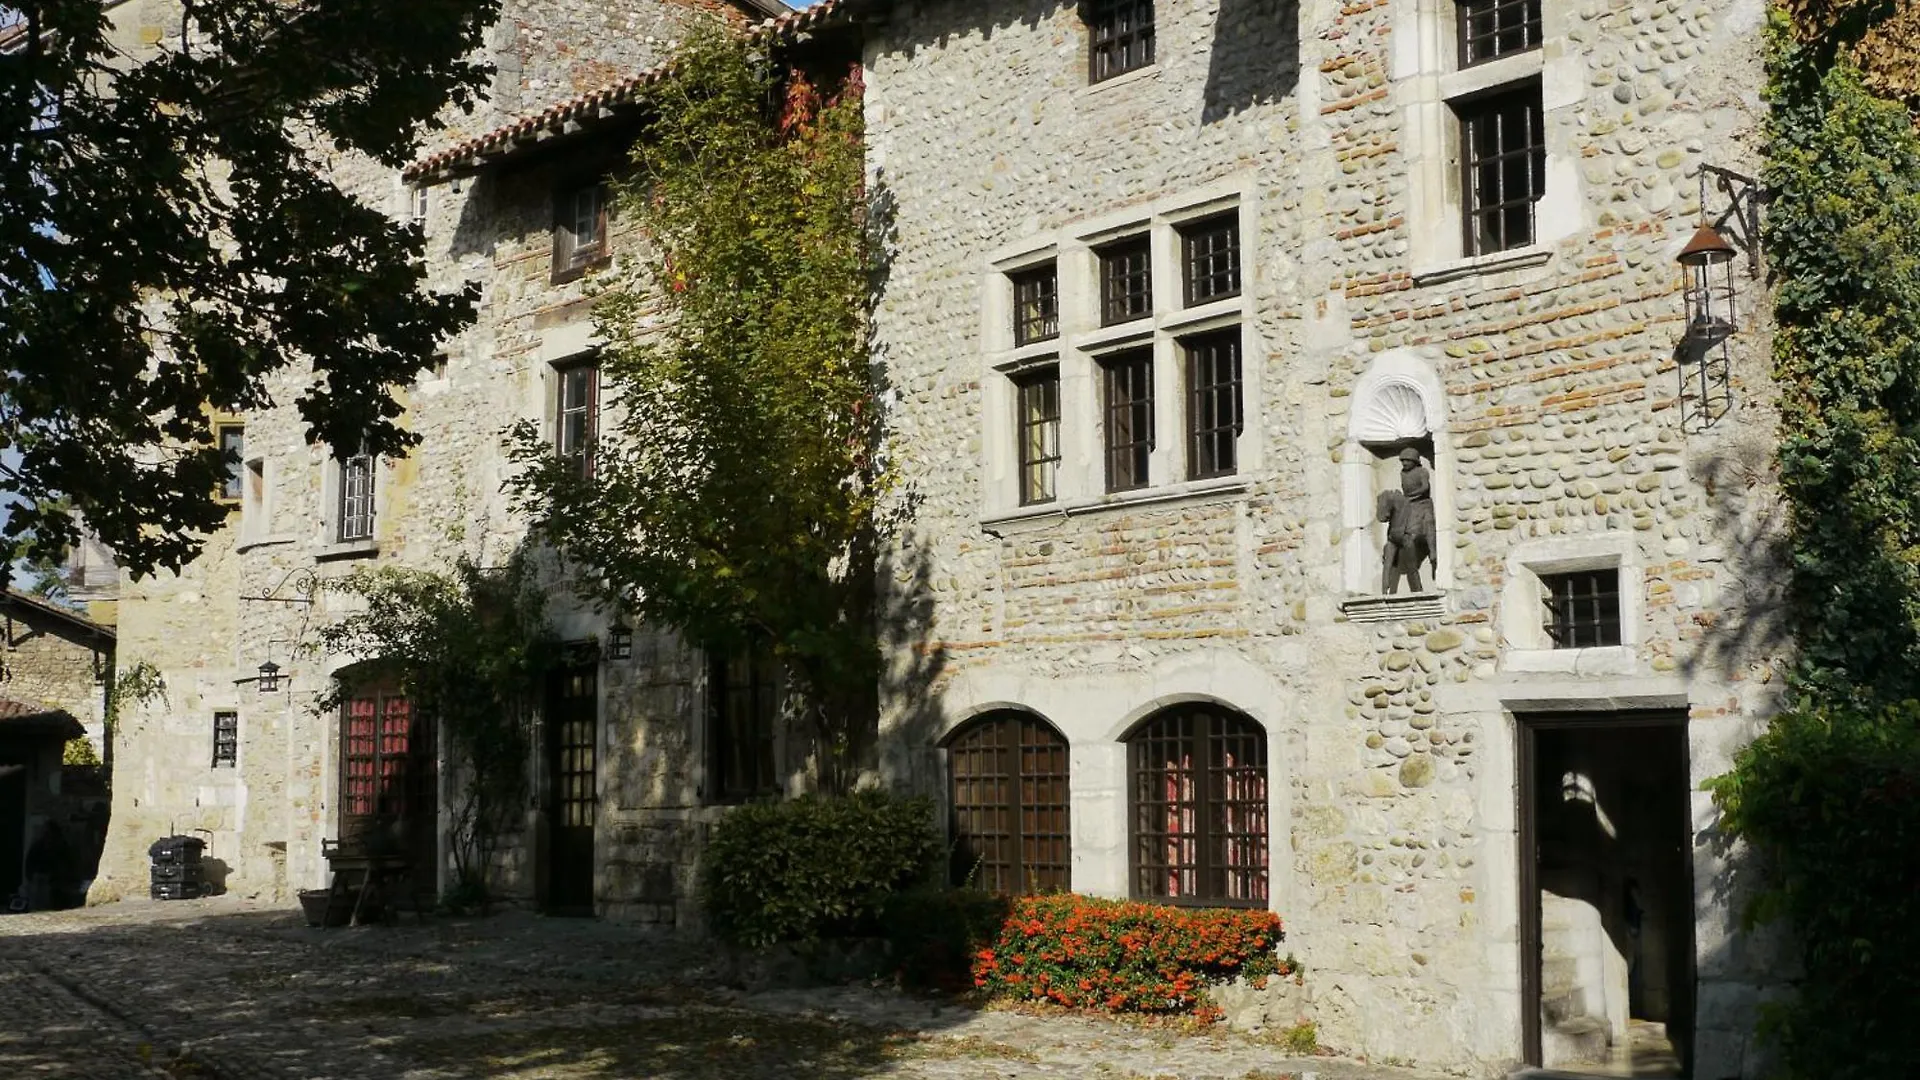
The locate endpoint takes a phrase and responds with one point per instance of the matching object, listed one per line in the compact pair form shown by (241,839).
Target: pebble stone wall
(1392,743)
(209,627)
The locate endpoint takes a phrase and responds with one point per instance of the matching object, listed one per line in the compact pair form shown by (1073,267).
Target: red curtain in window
(361,751)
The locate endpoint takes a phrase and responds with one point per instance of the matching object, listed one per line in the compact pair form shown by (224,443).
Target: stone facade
(1543,379)
(58,659)
(255,595)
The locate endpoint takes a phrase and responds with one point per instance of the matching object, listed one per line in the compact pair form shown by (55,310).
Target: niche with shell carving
(1395,491)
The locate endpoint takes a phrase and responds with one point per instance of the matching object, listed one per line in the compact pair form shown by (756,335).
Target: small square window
(1582,608)
(356,498)
(1039,422)
(1121,37)
(579,231)
(1504,163)
(1210,258)
(1213,403)
(226,739)
(1126,281)
(1128,435)
(1036,305)
(233,448)
(1490,29)
(577,413)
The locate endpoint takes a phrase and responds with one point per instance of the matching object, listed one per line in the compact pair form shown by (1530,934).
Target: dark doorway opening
(1606,888)
(572,736)
(13,829)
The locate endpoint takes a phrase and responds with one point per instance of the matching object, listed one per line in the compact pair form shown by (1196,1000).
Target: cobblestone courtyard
(221,990)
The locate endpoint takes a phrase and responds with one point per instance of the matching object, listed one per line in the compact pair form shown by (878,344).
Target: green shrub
(1831,801)
(933,934)
(1124,956)
(816,866)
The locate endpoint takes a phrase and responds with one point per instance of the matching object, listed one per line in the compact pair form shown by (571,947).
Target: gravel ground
(228,991)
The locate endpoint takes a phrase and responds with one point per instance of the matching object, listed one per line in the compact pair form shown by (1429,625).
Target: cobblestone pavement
(226,991)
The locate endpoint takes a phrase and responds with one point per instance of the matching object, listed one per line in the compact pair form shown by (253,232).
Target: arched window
(1008,792)
(1198,782)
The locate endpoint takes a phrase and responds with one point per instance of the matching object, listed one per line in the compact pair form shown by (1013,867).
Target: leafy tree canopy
(734,490)
(170,237)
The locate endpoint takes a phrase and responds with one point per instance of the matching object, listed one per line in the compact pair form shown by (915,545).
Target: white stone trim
(1528,648)
(1396,369)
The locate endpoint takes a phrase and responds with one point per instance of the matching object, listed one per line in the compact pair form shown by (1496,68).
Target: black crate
(176,849)
(177,872)
(176,890)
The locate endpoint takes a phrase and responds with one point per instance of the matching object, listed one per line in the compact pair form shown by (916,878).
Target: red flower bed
(1125,957)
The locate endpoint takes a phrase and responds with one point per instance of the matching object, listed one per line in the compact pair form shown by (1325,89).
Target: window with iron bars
(1490,29)
(1036,305)
(1039,423)
(743,698)
(1582,608)
(356,498)
(1126,281)
(1210,252)
(1198,800)
(1213,403)
(226,739)
(1008,788)
(1121,37)
(1128,431)
(1504,167)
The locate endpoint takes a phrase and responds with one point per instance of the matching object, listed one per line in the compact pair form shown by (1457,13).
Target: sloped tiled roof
(26,717)
(29,606)
(562,117)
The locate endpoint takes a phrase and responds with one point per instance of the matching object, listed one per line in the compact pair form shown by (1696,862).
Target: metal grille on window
(356,498)
(1036,305)
(1126,281)
(226,739)
(1490,29)
(579,392)
(1039,394)
(1129,428)
(233,448)
(745,690)
(1199,805)
(1211,258)
(1505,162)
(1121,37)
(1583,608)
(1213,403)
(1010,806)
(378,742)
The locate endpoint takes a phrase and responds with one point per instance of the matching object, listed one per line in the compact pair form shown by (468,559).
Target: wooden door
(572,730)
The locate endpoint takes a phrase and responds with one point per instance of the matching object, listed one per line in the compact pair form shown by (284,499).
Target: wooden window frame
(233,485)
(1215,403)
(1038,432)
(572,258)
(1179,852)
(1126,280)
(1506,27)
(763,693)
(226,738)
(380,758)
(1120,37)
(357,513)
(1009,804)
(1210,258)
(1036,304)
(577,445)
(1486,225)
(1126,381)
(1582,608)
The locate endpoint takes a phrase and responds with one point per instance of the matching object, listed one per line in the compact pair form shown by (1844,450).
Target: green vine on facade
(737,482)
(470,647)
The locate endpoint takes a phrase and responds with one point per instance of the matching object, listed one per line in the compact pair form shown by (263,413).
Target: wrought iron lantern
(269,679)
(619,639)
(1708,263)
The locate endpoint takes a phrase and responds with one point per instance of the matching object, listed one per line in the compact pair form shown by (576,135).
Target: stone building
(53,677)
(1195,315)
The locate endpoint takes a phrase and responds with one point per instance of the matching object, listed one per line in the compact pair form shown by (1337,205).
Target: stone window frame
(230,479)
(1527,646)
(331,543)
(1083,341)
(226,738)
(1198,729)
(573,259)
(1428,84)
(585,365)
(1376,416)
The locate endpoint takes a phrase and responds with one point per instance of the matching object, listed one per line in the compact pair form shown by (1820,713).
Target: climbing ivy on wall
(1829,796)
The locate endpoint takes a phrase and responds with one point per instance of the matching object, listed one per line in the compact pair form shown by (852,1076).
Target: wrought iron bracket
(1739,220)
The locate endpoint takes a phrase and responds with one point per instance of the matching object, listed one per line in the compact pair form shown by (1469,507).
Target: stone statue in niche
(1408,514)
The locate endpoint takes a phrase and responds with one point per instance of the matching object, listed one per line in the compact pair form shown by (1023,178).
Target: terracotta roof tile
(554,119)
